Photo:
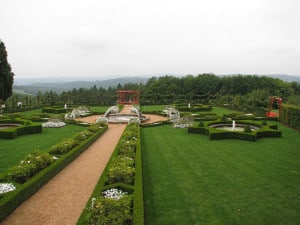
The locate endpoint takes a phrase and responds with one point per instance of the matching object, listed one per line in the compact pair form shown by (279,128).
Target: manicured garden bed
(191,180)
(122,178)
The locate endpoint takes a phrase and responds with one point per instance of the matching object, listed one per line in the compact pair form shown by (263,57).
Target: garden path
(62,199)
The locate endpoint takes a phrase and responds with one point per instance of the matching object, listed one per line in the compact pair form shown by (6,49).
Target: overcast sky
(101,38)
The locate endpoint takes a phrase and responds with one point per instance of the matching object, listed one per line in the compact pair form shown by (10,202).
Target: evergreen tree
(6,76)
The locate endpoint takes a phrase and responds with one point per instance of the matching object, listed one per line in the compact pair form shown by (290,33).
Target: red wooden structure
(128,97)
(272,99)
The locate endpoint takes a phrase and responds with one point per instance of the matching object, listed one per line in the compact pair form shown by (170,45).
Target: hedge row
(90,215)
(55,110)
(156,124)
(290,115)
(11,200)
(26,127)
(194,108)
(215,134)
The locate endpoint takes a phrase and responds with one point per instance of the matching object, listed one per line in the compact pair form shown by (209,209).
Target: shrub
(264,123)
(64,146)
(106,211)
(31,165)
(121,170)
(201,124)
(83,135)
(247,129)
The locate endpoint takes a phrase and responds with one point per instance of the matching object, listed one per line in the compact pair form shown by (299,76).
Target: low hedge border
(11,200)
(27,127)
(214,134)
(55,110)
(156,124)
(136,190)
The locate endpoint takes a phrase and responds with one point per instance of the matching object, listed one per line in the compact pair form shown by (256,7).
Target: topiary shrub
(247,129)
(201,124)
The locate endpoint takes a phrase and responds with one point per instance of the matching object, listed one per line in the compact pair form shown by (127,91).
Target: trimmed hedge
(194,108)
(26,127)
(55,110)
(215,134)
(135,190)
(156,124)
(11,200)
(290,116)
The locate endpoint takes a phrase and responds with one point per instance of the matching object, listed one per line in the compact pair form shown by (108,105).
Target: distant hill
(60,86)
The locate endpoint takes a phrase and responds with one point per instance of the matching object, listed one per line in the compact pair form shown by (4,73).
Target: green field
(189,179)
(14,150)
(147,108)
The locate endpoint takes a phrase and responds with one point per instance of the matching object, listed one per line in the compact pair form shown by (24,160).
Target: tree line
(240,92)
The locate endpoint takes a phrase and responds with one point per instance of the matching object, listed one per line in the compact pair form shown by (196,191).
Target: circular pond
(9,125)
(124,118)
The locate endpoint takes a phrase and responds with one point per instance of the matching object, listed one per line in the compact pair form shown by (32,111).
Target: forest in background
(247,93)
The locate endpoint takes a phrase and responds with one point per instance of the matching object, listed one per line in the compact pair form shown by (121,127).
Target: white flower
(114,193)
(6,187)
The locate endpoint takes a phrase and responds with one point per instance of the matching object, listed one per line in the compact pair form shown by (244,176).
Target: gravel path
(62,199)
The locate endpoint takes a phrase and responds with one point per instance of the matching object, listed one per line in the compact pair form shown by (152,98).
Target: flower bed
(118,196)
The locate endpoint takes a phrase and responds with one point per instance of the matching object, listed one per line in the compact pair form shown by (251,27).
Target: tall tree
(6,76)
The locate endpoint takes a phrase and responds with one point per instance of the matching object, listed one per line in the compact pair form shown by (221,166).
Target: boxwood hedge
(26,127)
(215,134)
(135,190)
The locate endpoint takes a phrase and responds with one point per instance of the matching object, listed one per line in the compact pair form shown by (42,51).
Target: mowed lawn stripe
(191,180)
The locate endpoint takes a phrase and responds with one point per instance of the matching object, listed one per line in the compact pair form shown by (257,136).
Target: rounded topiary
(224,118)
(263,123)
(201,124)
(247,129)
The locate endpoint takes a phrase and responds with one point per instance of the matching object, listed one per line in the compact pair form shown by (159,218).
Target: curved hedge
(215,134)
(26,127)
(11,200)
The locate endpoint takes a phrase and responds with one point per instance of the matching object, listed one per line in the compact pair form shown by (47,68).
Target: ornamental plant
(83,135)
(108,211)
(121,170)
(6,187)
(30,166)
(64,146)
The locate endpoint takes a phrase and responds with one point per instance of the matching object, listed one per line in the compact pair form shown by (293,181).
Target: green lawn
(189,179)
(98,108)
(149,108)
(14,150)
(221,111)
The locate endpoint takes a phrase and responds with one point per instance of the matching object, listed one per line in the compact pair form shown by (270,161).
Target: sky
(106,38)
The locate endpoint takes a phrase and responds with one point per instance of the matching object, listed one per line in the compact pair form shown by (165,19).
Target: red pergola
(272,99)
(128,97)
